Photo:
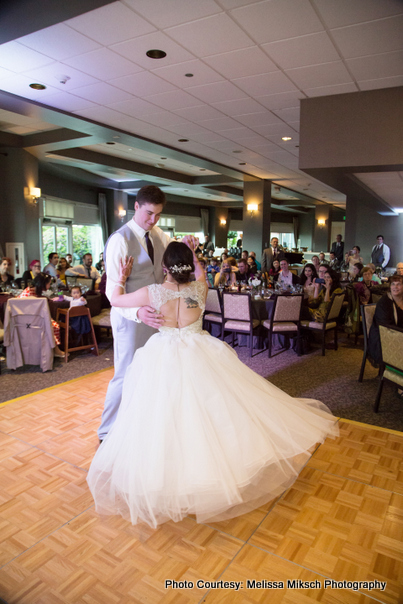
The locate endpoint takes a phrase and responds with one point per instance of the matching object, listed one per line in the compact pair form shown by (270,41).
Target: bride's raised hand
(125,268)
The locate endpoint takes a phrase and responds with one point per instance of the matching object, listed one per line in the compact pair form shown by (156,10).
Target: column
(256,223)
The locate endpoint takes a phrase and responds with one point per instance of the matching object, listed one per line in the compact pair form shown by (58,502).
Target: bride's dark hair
(178,260)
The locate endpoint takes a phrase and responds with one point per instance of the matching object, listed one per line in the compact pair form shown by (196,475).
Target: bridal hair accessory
(181,268)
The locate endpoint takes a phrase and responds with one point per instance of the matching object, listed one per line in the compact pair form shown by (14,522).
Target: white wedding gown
(198,432)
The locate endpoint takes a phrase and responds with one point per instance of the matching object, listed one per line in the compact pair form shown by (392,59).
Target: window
(87,239)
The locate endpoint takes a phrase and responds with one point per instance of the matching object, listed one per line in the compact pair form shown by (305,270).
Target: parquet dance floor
(336,534)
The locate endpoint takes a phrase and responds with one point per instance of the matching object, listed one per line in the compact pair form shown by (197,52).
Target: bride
(187,441)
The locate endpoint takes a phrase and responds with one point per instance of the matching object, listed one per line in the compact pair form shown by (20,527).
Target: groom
(146,242)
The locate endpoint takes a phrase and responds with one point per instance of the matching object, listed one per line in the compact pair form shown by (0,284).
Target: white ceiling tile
(59,42)
(207,137)
(101,114)
(385,35)
(329,90)
(142,84)
(246,137)
(103,64)
(282,100)
(202,74)
(381,83)
(314,76)
(18,58)
(68,102)
(268,83)
(239,134)
(55,73)
(220,124)
(5,73)
(230,4)
(110,24)
(239,107)
(135,107)
(211,36)
(166,14)
(186,129)
(277,20)
(136,49)
(240,63)
(174,99)
(304,50)
(337,13)
(274,132)
(219,91)
(258,119)
(377,66)
(108,94)
(291,114)
(199,113)
(163,119)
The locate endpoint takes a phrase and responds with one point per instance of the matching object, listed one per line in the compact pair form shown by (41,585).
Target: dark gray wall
(55,186)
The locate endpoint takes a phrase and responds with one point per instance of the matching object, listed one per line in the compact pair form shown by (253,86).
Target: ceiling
(230,84)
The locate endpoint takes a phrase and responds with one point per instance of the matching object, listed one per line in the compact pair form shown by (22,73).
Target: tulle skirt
(198,432)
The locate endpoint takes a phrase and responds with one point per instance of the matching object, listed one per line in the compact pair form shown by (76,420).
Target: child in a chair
(76,298)
(81,325)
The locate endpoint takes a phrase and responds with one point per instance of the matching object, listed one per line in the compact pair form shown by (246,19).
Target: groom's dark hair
(178,260)
(150,194)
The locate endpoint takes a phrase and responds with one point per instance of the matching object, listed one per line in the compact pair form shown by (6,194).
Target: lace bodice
(159,295)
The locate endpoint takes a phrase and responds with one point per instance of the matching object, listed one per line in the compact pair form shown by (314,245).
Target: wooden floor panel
(341,520)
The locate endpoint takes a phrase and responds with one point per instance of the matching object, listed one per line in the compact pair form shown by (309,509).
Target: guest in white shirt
(84,270)
(50,269)
(285,276)
(380,254)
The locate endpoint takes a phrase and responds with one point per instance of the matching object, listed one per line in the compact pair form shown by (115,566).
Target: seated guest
(232,262)
(40,284)
(275,268)
(354,271)
(85,269)
(69,259)
(307,280)
(245,255)
(225,277)
(100,265)
(318,306)
(5,277)
(345,264)
(50,268)
(243,274)
(223,256)
(203,264)
(374,278)
(355,257)
(333,262)
(285,277)
(364,286)
(399,268)
(389,310)
(252,265)
(34,269)
(61,270)
(259,266)
(213,267)
(322,258)
(315,262)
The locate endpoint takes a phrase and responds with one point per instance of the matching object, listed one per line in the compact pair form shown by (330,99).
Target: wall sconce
(223,222)
(35,193)
(122,214)
(321,222)
(252,207)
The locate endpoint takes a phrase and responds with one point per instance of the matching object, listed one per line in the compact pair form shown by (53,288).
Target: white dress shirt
(285,279)
(50,269)
(386,254)
(82,271)
(117,249)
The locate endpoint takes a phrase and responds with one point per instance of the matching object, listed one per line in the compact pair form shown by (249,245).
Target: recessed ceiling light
(202,169)
(110,143)
(242,163)
(37,86)
(183,140)
(163,158)
(188,75)
(130,149)
(156,54)
(237,151)
(286,138)
(297,146)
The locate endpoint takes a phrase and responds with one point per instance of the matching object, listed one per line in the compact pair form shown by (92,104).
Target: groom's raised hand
(149,316)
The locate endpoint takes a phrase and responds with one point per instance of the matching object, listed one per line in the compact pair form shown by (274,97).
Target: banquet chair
(85,282)
(330,320)
(28,333)
(1,340)
(237,316)
(69,313)
(103,320)
(70,281)
(285,319)
(367,316)
(392,358)
(213,310)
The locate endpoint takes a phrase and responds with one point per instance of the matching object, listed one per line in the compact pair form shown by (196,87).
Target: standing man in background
(380,254)
(274,252)
(338,248)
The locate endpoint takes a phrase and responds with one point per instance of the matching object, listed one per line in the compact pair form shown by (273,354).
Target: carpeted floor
(332,379)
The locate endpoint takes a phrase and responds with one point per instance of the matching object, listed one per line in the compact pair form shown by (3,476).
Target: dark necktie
(150,248)
(89,272)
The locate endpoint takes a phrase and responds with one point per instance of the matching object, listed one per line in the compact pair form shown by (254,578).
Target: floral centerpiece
(255,282)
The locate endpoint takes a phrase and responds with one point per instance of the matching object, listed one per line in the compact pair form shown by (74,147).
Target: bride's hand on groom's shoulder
(149,316)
